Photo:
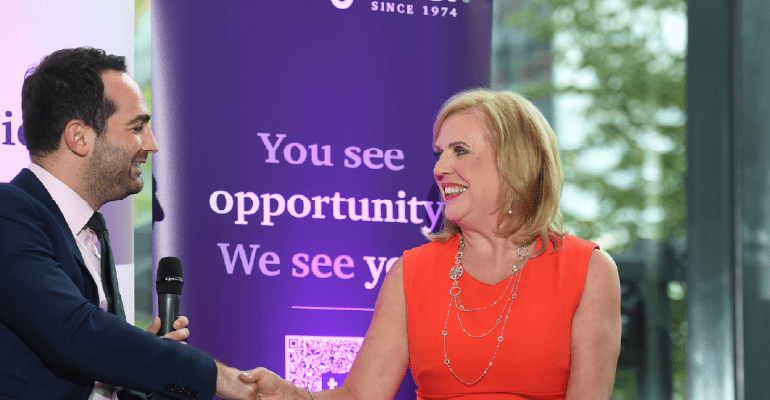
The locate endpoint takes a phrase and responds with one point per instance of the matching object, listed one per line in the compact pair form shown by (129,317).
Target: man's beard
(108,175)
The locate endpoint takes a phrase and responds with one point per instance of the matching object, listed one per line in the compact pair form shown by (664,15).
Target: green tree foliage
(633,81)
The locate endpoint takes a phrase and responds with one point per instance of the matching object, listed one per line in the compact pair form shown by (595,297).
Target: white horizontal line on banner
(333,308)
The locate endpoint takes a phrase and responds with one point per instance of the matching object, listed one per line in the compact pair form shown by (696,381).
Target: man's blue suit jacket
(54,339)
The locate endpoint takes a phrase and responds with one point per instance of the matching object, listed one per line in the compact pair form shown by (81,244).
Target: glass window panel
(609,76)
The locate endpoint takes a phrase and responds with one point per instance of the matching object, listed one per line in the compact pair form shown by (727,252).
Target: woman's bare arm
(596,329)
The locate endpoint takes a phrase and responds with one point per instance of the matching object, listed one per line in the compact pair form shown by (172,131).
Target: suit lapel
(27,181)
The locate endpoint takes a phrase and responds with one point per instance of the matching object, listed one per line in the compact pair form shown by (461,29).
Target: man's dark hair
(66,85)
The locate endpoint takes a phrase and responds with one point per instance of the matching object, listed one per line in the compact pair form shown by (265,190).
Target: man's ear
(78,137)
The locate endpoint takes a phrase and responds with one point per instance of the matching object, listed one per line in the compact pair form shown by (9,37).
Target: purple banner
(296,163)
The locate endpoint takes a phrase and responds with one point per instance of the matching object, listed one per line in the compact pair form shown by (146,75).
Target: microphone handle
(168,311)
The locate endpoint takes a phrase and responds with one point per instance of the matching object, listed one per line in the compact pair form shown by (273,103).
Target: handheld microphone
(169,288)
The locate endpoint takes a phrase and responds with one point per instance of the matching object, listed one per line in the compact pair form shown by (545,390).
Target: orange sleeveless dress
(532,362)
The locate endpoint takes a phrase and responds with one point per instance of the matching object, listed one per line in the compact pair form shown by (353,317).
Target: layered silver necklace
(455,273)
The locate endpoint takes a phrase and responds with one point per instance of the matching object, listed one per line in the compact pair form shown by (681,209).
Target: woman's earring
(510,210)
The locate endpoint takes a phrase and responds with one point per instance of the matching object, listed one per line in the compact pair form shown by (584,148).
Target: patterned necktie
(109,277)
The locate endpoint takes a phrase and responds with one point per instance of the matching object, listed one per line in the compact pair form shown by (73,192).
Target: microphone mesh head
(169,276)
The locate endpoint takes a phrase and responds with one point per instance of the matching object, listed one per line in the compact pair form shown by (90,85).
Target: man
(86,128)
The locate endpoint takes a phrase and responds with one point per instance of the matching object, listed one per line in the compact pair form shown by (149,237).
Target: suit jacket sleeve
(43,303)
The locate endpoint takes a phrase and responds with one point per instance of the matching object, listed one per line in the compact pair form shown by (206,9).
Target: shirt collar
(76,211)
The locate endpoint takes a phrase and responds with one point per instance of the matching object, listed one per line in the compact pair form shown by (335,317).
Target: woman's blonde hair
(528,162)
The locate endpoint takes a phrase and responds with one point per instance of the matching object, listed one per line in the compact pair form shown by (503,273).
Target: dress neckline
(455,241)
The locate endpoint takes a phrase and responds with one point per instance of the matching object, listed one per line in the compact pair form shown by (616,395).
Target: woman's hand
(272,387)
(380,364)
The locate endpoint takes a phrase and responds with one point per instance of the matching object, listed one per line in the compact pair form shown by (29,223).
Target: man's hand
(272,387)
(230,387)
(179,333)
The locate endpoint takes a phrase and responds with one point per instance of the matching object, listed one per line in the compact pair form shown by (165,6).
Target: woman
(501,304)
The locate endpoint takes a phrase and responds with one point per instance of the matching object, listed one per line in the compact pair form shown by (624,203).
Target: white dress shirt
(77,212)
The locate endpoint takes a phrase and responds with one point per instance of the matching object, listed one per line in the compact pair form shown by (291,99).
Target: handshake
(258,383)
(232,384)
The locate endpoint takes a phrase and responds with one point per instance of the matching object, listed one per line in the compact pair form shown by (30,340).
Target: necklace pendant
(456,272)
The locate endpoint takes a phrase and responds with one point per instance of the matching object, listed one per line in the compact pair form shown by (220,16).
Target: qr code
(320,362)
